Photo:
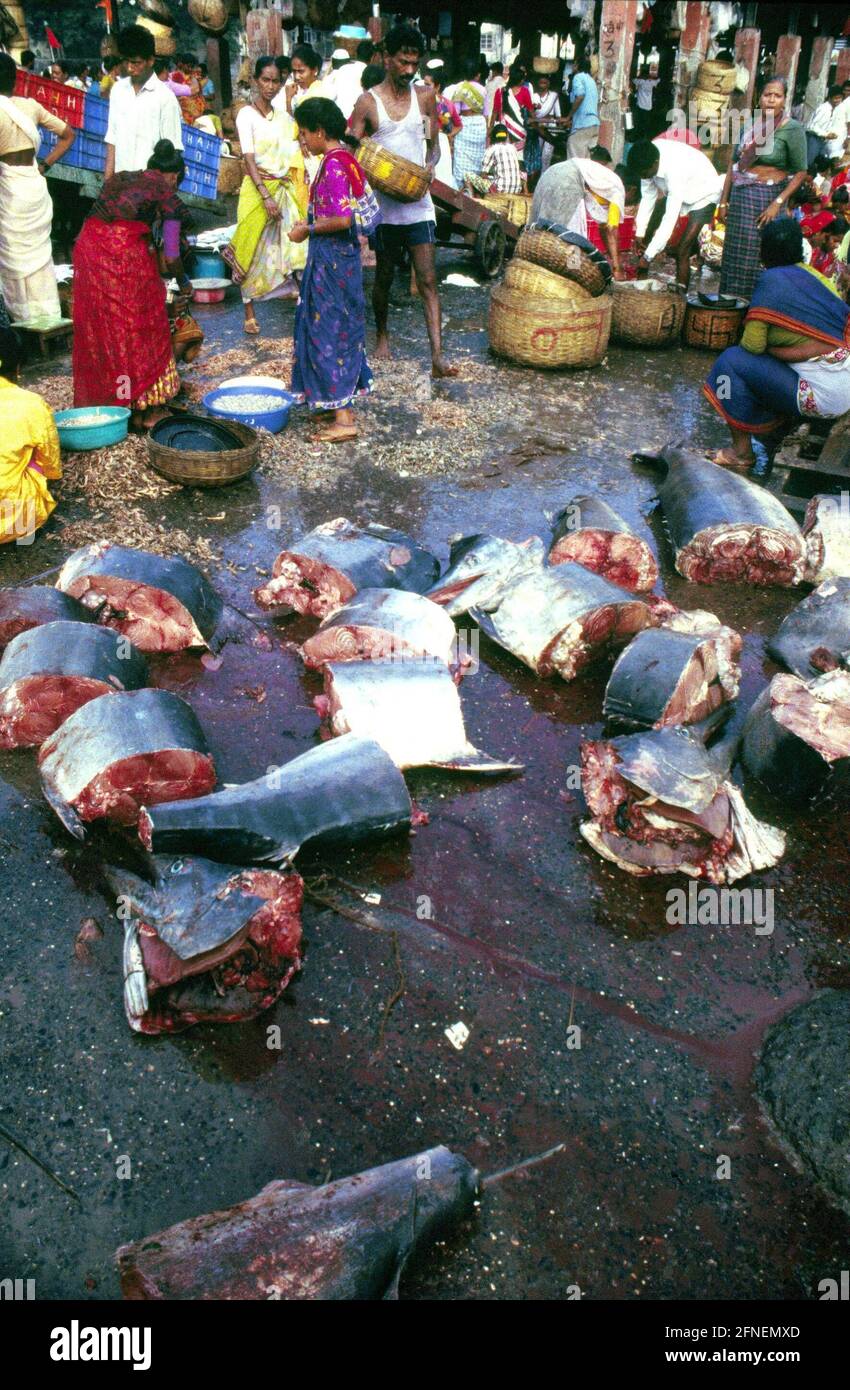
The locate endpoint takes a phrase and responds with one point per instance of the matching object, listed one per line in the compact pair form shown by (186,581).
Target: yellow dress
(29,454)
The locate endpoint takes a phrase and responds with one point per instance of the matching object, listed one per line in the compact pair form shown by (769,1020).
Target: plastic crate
(66,102)
(202,182)
(201,150)
(96,115)
(87,151)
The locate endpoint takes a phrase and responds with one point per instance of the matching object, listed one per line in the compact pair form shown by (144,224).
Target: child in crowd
(825,244)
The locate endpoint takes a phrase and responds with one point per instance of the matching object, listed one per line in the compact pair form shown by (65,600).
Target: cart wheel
(490,242)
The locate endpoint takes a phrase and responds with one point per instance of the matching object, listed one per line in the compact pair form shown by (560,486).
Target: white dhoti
(27,274)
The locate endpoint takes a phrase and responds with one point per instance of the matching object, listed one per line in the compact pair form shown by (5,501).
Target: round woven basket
(716,77)
(709,105)
(712,327)
(529,279)
(515,206)
(544,248)
(545,65)
(545,333)
(231,172)
(201,469)
(389,173)
(646,318)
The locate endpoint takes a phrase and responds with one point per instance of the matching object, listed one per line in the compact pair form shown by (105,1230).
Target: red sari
(122,352)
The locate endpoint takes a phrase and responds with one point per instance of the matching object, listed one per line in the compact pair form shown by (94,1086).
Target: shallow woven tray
(646,318)
(548,333)
(530,279)
(546,249)
(194,468)
(391,174)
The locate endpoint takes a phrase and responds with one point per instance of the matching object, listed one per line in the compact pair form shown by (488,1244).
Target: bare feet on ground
(440,368)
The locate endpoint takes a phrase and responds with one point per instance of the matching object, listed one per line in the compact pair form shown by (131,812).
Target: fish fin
(473,760)
(65,811)
(135,980)
(441,593)
(485,621)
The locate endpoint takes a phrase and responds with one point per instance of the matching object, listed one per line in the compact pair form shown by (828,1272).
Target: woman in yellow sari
(272,199)
(29,451)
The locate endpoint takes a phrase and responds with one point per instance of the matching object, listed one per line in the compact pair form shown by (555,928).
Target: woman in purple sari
(330,366)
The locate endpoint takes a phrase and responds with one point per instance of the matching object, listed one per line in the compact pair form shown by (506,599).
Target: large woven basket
(712,326)
(716,77)
(194,468)
(548,333)
(516,207)
(709,105)
(546,249)
(231,172)
(545,65)
(644,317)
(534,281)
(391,174)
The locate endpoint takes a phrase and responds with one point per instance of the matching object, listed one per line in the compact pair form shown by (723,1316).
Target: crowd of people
(305,211)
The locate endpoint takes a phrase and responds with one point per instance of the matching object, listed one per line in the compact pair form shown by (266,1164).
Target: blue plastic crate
(87,152)
(201,150)
(96,115)
(202,182)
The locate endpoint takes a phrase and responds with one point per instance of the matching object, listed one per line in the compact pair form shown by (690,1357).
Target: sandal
(251,326)
(731,461)
(340,435)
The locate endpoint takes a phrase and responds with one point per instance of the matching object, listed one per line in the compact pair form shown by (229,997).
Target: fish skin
(350,1239)
(173,575)
(790,743)
(479,569)
(404,625)
(700,499)
(345,790)
(627,558)
(31,605)
(819,623)
(646,675)
(540,611)
(826,528)
(412,709)
(65,648)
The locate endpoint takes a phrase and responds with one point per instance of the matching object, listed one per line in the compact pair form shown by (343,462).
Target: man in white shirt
(825,127)
(691,185)
(841,126)
(343,84)
(141,108)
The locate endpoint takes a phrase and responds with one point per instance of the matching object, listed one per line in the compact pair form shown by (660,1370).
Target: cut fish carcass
(48,672)
(206,943)
(383,625)
(592,534)
(827,531)
(32,605)
(120,752)
(560,619)
(349,1239)
(342,791)
(815,636)
(479,569)
(328,566)
(798,731)
(669,677)
(412,709)
(162,605)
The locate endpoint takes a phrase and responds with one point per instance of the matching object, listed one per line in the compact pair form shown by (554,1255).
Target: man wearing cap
(343,82)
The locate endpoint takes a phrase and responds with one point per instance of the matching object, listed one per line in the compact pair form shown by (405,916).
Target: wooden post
(842,67)
(787,61)
(747,44)
(818,82)
(218,67)
(693,47)
(264,31)
(616,44)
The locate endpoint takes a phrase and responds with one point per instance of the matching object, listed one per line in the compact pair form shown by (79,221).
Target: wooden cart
(463,219)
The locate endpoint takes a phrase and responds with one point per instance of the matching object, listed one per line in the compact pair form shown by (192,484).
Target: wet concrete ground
(529,932)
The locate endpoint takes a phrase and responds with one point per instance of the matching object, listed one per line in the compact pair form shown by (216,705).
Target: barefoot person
(330,367)
(404,121)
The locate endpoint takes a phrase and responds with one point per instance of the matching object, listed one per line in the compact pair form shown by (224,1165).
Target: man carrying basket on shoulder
(403,120)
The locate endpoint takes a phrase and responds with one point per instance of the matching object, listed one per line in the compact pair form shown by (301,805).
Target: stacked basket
(551,310)
(714,86)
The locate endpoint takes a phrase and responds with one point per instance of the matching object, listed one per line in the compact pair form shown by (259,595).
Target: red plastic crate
(68,103)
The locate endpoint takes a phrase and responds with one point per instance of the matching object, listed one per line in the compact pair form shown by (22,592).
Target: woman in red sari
(122,340)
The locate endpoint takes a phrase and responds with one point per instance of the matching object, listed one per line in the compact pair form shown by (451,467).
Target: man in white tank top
(404,120)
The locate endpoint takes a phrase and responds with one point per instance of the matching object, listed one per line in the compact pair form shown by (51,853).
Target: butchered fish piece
(589,531)
(560,619)
(205,942)
(797,732)
(411,708)
(346,1240)
(815,636)
(163,604)
(328,566)
(724,527)
(50,671)
(826,528)
(34,604)
(120,752)
(669,677)
(480,567)
(342,791)
(383,625)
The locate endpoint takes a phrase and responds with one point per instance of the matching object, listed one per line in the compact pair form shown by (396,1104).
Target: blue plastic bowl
(115,419)
(273,420)
(208,265)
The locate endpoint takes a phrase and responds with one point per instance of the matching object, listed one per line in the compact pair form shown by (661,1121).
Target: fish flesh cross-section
(590,532)
(384,625)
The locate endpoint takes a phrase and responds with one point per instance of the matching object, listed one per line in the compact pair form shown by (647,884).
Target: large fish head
(479,569)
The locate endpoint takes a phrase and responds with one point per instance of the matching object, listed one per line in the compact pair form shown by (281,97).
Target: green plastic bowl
(111,428)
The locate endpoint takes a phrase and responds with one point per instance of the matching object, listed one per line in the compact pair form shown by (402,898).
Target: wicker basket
(544,248)
(646,318)
(231,172)
(516,207)
(713,327)
(547,66)
(389,173)
(546,333)
(709,105)
(532,280)
(201,469)
(716,77)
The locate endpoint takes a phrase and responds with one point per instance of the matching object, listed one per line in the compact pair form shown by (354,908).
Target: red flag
(107,6)
(51,37)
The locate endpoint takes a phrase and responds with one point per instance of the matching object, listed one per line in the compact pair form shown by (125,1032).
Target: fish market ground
(528,930)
